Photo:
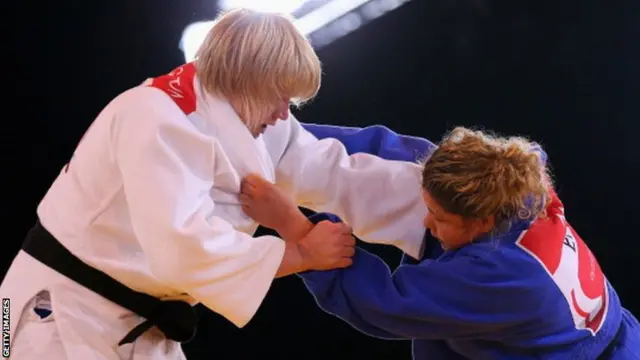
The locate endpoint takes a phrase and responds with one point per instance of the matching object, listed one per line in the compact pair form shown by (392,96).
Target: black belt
(176,319)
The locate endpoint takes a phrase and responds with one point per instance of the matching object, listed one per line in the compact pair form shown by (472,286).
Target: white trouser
(82,325)
(37,337)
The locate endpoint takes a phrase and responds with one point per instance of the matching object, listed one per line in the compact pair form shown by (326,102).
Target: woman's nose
(428,221)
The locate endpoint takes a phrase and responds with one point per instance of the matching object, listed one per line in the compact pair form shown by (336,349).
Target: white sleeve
(167,168)
(381,199)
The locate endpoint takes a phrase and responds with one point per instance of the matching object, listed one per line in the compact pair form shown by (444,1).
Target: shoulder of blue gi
(376,140)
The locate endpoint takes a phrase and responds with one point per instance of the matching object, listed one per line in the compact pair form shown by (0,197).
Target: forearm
(381,200)
(433,300)
(297,227)
(334,293)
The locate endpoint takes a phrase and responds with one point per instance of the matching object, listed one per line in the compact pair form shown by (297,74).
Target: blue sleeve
(375,140)
(432,300)
(460,298)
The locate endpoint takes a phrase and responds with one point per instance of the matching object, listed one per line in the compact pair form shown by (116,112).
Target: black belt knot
(176,320)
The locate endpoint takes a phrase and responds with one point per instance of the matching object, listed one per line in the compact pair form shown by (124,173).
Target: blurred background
(564,73)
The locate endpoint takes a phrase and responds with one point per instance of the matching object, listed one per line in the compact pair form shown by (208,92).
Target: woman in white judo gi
(148,209)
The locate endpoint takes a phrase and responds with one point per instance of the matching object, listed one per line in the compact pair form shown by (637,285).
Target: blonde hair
(256,60)
(477,175)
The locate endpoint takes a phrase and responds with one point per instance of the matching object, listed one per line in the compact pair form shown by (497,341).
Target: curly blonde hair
(478,175)
(256,59)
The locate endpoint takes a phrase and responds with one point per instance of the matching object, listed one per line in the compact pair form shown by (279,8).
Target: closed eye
(435,216)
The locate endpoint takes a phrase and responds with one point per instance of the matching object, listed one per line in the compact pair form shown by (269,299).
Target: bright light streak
(195,33)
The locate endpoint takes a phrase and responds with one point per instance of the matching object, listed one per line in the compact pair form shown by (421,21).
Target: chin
(443,245)
(256,133)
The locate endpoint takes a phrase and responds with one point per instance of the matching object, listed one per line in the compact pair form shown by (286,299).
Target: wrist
(296,228)
(301,259)
(293,261)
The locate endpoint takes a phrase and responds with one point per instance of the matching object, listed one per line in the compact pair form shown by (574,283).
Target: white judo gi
(151,199)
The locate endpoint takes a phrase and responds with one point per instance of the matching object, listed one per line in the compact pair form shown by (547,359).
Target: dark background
(565,73)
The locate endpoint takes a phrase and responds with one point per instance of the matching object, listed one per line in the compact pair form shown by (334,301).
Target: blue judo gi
(536,292)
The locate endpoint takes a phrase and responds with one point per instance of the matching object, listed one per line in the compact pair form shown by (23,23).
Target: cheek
(451,236)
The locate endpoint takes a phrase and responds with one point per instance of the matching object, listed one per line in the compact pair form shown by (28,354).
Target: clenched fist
(272,208)
(327,246)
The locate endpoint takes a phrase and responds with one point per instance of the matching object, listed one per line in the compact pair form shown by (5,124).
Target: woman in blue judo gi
(511,278)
